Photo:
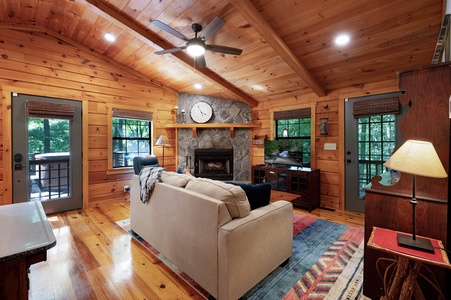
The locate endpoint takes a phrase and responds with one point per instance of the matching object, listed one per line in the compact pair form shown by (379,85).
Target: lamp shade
(163,141)
(417,158)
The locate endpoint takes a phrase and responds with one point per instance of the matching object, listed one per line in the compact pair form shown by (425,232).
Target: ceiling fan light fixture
(195,48)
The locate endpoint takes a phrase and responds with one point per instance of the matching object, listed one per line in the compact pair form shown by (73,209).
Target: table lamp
(163,141)
(416,158)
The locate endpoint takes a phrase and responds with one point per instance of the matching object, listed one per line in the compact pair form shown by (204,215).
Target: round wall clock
(201,112)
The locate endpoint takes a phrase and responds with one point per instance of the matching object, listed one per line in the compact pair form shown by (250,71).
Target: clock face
(201,112)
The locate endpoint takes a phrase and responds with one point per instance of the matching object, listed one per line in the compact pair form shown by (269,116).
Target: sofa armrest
(252,247)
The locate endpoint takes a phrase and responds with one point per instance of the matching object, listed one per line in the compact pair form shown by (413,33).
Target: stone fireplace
(213,163)
(210,140)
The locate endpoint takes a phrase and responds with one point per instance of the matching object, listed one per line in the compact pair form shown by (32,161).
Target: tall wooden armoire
(427,91)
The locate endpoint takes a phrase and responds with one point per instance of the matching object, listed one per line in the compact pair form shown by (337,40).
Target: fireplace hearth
(213,163)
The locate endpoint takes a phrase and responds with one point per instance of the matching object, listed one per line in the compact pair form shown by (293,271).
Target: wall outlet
(330,146)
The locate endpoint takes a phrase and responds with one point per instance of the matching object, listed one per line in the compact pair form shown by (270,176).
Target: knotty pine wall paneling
(46,64)
(330,162)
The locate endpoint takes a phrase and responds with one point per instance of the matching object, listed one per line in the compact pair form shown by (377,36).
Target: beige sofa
(221,244)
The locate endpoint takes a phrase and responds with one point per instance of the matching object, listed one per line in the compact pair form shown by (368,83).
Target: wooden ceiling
(288,48)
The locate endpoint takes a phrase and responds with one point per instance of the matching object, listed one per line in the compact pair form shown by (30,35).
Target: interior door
(360,163)
(47,153)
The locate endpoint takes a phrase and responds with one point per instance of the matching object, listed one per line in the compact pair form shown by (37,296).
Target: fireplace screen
(214,163)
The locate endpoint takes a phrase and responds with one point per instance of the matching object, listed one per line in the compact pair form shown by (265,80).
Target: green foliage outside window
(299,132)
(376,143)
(48,136)
(130,138)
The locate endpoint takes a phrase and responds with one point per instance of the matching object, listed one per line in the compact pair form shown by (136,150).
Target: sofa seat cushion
(233,196)
(258,194)
(175,179)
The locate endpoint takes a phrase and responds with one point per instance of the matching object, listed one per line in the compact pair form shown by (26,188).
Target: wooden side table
(26,236)
(402,284)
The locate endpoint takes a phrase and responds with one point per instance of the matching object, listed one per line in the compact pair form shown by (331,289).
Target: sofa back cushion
(175,179)
(233,196)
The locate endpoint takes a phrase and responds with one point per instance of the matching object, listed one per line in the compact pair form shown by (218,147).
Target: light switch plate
(330,146)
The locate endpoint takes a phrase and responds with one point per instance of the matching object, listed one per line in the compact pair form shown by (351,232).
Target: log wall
(45,64)
(330,162)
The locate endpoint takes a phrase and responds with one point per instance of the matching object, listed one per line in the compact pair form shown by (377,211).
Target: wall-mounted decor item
(201,112)
(179,117)
(323,126)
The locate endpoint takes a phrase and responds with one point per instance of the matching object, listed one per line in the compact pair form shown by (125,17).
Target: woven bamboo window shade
(47,110)
(132,114)
(292,114)
(375,107)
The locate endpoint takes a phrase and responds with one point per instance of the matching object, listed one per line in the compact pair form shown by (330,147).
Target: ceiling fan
(196,46)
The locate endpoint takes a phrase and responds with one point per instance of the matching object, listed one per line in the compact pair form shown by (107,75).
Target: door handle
(19,166)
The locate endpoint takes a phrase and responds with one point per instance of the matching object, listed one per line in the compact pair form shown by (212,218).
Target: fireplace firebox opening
(213,163)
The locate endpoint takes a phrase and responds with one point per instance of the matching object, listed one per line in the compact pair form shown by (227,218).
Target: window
(376,142)
(131,135)
(294,127)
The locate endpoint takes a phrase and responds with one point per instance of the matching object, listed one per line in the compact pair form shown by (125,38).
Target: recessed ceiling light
(342,39)
(258,87)
(109,37)
(198,86)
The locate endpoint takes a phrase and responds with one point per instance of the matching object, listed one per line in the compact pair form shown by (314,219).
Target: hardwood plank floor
(95,259)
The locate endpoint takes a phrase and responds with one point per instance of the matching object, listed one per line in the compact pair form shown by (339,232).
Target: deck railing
(49,178)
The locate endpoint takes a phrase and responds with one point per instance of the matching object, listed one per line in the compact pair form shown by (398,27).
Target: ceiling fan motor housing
(196,28)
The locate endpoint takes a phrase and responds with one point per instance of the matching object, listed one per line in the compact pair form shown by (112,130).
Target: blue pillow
(258,194)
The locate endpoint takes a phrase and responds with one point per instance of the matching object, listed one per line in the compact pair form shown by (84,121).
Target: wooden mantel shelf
(232,127)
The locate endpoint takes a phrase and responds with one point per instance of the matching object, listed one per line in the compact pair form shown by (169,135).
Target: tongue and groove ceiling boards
(288,46)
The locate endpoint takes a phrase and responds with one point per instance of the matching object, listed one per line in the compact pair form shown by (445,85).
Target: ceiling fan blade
(214,26)
(224,49)
(170,50)
(200,61)
(170,30)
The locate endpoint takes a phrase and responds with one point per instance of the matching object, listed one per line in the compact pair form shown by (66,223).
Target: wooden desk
(26,236)
(403,283)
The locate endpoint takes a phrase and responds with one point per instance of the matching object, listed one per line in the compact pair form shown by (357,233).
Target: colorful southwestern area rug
(327,263)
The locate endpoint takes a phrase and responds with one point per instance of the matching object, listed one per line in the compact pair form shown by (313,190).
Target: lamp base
(417,244)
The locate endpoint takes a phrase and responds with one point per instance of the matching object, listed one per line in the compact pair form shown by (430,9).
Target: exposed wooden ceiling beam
(154,40)
(259,23)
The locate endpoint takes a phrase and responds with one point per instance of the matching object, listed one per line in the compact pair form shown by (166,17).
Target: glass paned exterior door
(376,142)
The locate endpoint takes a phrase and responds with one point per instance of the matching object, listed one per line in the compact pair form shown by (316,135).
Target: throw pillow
(233,196)
(258,194)
(175,179)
